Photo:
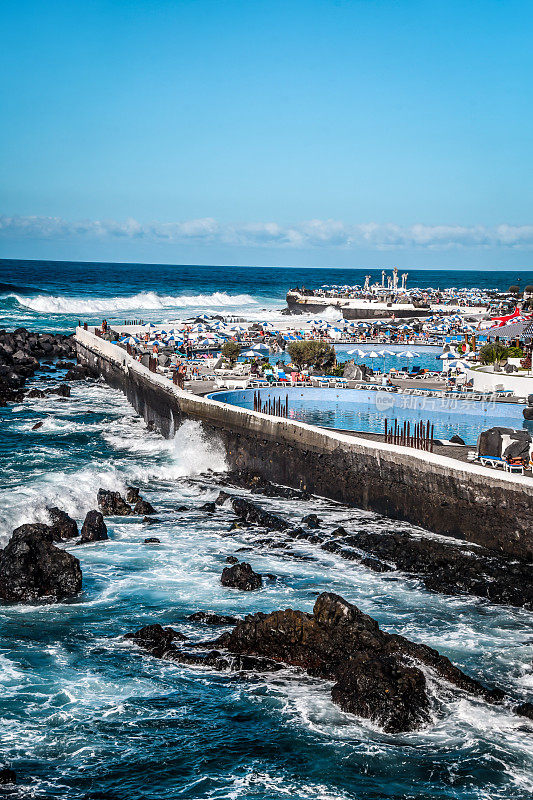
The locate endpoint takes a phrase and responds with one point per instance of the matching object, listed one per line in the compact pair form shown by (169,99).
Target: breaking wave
(63,304)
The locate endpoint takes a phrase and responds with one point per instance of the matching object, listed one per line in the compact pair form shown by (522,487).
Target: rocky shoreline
(23,352)
(378,676)
(445,566)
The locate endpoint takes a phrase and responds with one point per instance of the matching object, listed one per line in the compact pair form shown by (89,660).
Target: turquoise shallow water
(85,715)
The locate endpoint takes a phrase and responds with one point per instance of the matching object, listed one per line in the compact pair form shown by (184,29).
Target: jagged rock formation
(241,576)
(63,526)
(32,568)
(378,676)
(94,528)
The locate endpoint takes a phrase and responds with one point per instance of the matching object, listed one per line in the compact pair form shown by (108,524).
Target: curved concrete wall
(443,495)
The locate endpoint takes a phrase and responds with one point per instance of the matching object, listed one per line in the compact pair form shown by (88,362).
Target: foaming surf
(65,304)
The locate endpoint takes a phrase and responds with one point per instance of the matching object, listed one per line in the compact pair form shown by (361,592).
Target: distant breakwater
(444,496)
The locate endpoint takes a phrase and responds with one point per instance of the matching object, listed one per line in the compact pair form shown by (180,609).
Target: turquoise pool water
(425,357)
(362,410)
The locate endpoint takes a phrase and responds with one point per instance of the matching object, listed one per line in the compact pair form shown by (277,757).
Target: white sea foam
(63,304)
(190,452)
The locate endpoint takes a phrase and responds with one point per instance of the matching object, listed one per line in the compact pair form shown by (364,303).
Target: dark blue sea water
(85,715)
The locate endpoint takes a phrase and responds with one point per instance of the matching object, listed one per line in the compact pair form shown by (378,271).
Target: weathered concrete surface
(488,508)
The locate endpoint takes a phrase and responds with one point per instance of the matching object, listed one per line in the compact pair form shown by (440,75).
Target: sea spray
(64,304)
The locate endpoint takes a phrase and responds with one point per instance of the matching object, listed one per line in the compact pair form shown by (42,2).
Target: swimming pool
(366,410)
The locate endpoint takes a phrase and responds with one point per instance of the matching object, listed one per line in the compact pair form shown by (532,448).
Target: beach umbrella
(372,354)
(360,353)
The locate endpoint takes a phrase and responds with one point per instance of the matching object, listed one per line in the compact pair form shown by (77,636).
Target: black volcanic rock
(259,485)
(35,393)
(63,390)
(241,576)
(132,494)
(311,520)
(32,568)
(232,560)
(143,507)
(222,497)
(524,710)
(443,567)
(63,526)
(7,776)
(209,507)
(152,540)
(377,674)
(250,512)
(94,528)
(210,618)
(156,638)
(112,504)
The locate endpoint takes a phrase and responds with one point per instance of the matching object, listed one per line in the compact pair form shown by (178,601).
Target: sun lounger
(492,461)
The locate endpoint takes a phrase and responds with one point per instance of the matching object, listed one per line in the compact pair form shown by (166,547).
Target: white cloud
(311,234)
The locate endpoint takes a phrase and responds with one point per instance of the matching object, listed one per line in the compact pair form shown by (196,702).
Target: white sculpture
(382,278)
(395,279)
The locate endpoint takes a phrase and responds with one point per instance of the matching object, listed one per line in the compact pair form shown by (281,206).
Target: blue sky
(315,133)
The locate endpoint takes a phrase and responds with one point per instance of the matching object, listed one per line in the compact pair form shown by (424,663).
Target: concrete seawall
(439,493)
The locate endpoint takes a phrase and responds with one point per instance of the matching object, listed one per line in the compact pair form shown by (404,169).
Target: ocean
(87,715)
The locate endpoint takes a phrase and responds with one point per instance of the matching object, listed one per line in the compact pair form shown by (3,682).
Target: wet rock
(311,520)
(259,485)
(65,364)
(340,531)
(132,494)
(151,520)
(112,504)
(250,512)
(63,390)
(222,497)
(143,507)
(232,560)
(181,509)
(33,568)
(377,675)
(156,638)
(36,393)
(37,426)
(241,576)
(209,507)
(167,643)
(63,526)
(447,568)
(7,776)
(524,710)
(152,540)
(94,528)
(270,576)
(210,618)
